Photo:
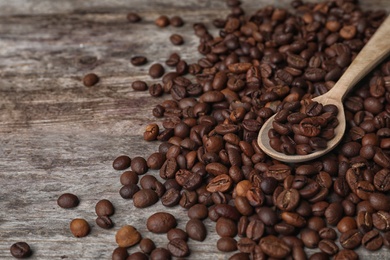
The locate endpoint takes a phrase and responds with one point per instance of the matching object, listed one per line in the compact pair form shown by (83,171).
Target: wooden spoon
(375,51)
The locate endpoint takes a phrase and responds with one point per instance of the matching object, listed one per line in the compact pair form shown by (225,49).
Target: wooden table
(58,136)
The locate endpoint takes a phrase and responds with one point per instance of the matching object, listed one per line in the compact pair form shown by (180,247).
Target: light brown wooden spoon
(375,51)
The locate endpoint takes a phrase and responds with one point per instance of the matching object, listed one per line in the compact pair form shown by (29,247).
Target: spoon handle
(375,51)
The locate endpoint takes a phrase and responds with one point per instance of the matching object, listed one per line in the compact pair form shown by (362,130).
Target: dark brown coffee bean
(196,230)
(293,219)
(171,197)
(176,21)
(145,198)
(198,211)
(382,180)
(329,247)
(139,165)
(147,245)
(90,80)
(176,39)
(379,201)
(372,240)
(227,244)
(327,233)
(104,222)
(310,238)
(345,224)
(346,254)
(120,253)
(381,220)
(128,177)
(334,213)
(188,180)
(175,233)
(239,256)
(128,191)
(161,222)
(137,256)
(288,200)
(160,253)
(351,239)
(20,250)
(138,60)
(162,21)
(68,200)
(156,70)
(178,247)
(104,208)
(226,227)
(274,247)
(122,162)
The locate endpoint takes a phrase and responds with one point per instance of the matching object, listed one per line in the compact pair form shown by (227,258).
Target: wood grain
(58,136)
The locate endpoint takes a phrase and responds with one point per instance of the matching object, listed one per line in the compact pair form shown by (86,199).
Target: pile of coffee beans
(210,164)
(302,127)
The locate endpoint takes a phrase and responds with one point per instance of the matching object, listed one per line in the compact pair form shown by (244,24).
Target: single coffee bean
(178,247)
(147,245)
(274,247)
(162,21)
(79,227)
(20,250)
(329,247)
(156,70)
(127,236)
(334,213)
(177,233)
(139,165)
(104,222)
(288,200)
(176,39)
(372,240)
(196,230)
(138,256)
(139,85)
(119,253)
(379,201)
(90,79)
(128,191)
(364,221)
(310,238)
(227,244)
(176,21)
(122,162)
(246,245)
(145,198)
(128,177)
(345,224)
(239,256)
(198,211)
(160,253)
(104,208)
(133,17)
(381,220)
(138,60)
(161,222)
(351,239)
(327,233)
(68,200)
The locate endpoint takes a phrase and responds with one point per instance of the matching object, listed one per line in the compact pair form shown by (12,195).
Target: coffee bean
(139,165)
(90,80)
(128,177)
(145,198)
(139,85)
(138,60)
(133,17)
(138,256)
(198,211)
(351,239)
(310,238)
(128,191)
(122,162)
(196,230)
(334,213)
(327,233)
(162,21)
(161,222)
(381,220)
(68,200)
(120,253)
(345,224)
(176,39)
(274,247)
(104,208)
(176,21)
(288,200)
(328,247)
(239,256)
(20,250)
(175,233)
(127,236)
(160,254)
(227,244)
(178,247)
(156,70)
(79,227)
(372,240)
(104,222)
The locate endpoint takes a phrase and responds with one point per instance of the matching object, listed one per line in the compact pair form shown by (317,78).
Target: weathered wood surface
(58,136)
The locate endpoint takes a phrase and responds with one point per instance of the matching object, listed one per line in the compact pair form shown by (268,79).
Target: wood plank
(57,136)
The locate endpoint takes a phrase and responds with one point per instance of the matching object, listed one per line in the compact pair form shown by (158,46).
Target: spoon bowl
(375,51)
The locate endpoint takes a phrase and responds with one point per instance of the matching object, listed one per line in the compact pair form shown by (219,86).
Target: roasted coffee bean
(310,238)
(328,247)
(227,244)
(162,21)
(379,201)
(120,253)
(104,222)
(239,256)
(381,220)
(90,79)
(288,200)
(128,191)
(161,222)
(274,247)
(198,211)
(127,236)
(139,165)
(138,256)
(128,177)
(160,253)
(79,227)
(196,230)
(175,233)
(176,39)
(122,162)
(139,85)
(138,60)
(68,200)
(178,247)
(176,21)
(145,198)
(104,207)
(156,70)
(147,245)
(372,240)
(20,250)
(226,227)
(268,216)
(351,239)
(327,233)
(334,213)
(171,197)
(133,17)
